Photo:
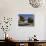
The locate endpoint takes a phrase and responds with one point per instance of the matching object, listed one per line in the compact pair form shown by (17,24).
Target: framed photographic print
(26,20)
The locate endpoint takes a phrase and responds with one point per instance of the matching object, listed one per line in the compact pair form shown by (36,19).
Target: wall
(11,8)
(45,28)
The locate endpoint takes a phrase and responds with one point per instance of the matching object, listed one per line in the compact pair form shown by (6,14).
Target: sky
(26,16)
